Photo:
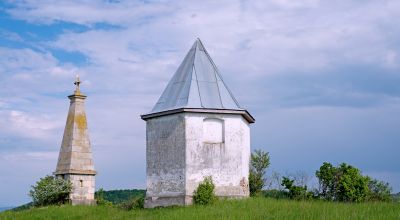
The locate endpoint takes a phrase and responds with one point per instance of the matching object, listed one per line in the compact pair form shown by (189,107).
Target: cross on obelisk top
(77,83)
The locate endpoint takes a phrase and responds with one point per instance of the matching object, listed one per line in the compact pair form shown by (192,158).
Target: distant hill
(5,208)
(396,197)
(115,196)
(23,207)
(122,195)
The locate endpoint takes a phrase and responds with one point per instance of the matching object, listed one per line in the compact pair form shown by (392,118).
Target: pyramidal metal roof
(196,84)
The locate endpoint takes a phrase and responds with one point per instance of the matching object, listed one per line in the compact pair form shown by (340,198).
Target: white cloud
(12,36)
(25,70)
(391,59)
(268,37)
(86,12)
(30,156)
(28,125)
(19,59)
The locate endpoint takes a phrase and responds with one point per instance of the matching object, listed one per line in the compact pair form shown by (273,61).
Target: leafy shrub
(100,200)
(204,194)
(50,190)
(276,194)
(342,183)
(379,191)
(121,195)
(296,192)
(259,162)
(133,203)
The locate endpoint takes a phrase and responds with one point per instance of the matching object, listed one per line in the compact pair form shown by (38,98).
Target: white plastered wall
(227,162)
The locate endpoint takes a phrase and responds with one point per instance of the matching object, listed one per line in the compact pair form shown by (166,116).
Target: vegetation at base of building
(50,190)
(259,162)
(204,194)
(132,203)
(252,208)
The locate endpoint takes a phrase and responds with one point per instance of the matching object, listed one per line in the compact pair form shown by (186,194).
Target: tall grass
(253,208)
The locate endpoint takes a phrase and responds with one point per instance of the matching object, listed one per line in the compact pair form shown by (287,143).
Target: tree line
(343,183)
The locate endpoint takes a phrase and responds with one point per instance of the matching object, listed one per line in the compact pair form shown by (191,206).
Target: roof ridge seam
(217,72)
(197,81)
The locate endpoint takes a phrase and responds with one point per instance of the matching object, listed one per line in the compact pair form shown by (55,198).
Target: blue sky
(322,79)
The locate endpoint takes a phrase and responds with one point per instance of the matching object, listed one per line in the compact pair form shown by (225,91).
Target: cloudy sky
(322,79)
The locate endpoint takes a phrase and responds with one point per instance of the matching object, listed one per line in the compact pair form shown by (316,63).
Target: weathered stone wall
(184,148)
(83,189)
(165,154)
(227,162)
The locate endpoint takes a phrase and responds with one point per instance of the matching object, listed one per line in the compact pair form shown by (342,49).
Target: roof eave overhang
(244,113)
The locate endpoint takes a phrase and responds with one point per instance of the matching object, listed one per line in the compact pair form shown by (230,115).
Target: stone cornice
(85,172)
(77,96)
(244,113)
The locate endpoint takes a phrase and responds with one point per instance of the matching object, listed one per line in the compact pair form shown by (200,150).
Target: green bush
(50,190)
(296,192)
(133,203)
(121,195)
(204,194)
(379,191)
(259,162)
(256,183)
(343,183)
(100,200)
(276,194)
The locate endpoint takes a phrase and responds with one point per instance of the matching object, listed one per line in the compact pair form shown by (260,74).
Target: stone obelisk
(75,161)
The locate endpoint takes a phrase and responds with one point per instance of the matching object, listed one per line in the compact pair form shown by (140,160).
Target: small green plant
(296,192)
(50,190)
(276,194)
(132,203)
(204,194)
(119,196)
(100,200)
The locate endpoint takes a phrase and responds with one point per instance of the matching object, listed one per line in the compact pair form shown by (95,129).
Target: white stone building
(75,162)
(196,129)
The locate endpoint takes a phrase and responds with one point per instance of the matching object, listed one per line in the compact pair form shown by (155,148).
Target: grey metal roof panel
(196,84)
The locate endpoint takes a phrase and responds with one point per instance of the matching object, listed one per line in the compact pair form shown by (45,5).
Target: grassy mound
(253,208)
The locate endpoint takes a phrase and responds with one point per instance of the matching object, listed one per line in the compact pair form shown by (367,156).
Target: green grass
(253,208)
